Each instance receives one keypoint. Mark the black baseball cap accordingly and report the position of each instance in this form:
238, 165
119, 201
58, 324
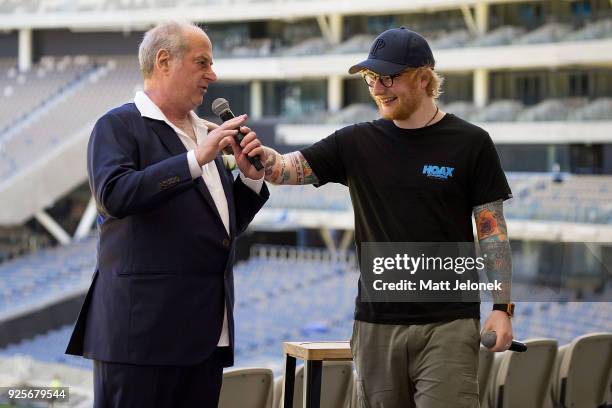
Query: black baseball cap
395, 50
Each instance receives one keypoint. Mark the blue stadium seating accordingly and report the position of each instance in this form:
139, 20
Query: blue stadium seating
537, 196
308, 298
49, 347
45, 276
578, 198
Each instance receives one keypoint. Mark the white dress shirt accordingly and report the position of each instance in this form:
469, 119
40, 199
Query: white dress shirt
208, 172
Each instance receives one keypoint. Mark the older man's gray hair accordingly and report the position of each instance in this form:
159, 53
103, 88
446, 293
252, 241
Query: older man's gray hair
169, 36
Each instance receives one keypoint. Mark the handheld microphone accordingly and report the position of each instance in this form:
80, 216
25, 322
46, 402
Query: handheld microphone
488, 339
220, 107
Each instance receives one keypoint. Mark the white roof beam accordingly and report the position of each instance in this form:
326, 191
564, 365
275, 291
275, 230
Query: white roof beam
270, 10
87, 220
52, 227
470, 22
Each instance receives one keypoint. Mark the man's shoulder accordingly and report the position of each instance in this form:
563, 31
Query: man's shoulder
125, 116
122, 120
467, 129
360, 128
126, 112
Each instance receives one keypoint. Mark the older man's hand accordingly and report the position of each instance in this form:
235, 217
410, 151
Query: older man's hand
212, 144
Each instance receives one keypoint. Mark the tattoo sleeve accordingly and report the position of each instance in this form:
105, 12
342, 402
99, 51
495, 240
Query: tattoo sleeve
495, 247
291, 168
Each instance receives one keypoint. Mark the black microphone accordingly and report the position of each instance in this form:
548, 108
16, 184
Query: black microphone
220, 107
488, 339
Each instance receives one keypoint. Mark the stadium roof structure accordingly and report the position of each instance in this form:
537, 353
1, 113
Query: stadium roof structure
90, 14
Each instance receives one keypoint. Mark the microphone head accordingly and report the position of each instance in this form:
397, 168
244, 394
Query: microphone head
219, 106
488, 339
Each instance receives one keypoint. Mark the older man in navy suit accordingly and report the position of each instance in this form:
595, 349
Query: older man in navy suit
158, 317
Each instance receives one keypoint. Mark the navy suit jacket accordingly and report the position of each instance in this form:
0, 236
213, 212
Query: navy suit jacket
164, 268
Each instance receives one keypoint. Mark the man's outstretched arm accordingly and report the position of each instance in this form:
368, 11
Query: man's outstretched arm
290, 168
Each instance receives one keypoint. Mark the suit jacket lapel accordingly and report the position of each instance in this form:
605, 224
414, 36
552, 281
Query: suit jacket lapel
227, 183
167, 135
173, 144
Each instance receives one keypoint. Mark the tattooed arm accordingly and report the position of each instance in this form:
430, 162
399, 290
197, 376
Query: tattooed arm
290, 168
494, 244
495, 247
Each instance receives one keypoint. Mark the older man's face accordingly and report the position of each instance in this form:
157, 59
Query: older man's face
191, 75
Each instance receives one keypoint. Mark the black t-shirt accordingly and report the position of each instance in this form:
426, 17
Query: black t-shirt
412, 185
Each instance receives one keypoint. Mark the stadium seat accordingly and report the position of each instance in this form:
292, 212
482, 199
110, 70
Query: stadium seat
583, 371
247, 388
592, 30
499, 36
547, 33
336, 386
521, 380
485, 362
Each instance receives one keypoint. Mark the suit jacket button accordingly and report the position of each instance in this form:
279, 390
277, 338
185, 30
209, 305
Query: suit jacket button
226, 242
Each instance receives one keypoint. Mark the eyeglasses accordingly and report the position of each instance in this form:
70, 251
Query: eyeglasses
370, 78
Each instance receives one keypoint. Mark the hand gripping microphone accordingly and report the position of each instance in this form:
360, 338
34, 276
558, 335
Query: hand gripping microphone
488, 339
220, 107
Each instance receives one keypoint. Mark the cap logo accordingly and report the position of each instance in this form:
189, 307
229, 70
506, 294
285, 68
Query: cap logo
378, 45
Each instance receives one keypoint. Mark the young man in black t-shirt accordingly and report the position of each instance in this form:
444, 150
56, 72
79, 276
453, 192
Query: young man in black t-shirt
416, 175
